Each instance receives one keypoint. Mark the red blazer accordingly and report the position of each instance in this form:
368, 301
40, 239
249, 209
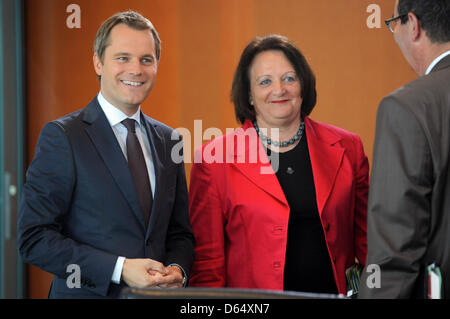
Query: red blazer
240, 216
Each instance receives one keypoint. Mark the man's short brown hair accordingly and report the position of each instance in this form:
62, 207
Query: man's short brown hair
130, 18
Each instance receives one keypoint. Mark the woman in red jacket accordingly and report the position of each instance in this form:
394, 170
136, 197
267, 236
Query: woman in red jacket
296, 222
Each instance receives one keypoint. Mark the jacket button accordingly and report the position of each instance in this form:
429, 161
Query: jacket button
334, 259
276, 264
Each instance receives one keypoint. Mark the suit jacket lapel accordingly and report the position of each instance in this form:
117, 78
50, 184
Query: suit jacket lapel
157, 149
105, 141
260, 172
326, 159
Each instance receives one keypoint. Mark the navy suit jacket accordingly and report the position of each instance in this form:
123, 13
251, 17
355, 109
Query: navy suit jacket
79, 204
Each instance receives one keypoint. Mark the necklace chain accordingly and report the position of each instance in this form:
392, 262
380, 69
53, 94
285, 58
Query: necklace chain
269, 141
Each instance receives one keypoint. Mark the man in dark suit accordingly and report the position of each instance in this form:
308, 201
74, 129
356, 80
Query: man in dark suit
409, 199
103, 195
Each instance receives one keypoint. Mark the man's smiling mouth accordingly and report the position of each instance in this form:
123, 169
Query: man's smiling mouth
132, 83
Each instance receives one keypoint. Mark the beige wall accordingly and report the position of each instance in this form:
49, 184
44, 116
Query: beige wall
202, 40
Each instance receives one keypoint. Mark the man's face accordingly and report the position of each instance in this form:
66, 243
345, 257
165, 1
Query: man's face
128, 71
402, 37
398, 26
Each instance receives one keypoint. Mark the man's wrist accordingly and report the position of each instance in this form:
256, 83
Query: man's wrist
184, 282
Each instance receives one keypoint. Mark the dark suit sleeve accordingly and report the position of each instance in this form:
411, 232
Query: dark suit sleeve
45, 204
180, 239
399, 201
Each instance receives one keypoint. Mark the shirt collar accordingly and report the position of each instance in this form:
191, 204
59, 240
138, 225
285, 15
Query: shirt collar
436, 61
113, 114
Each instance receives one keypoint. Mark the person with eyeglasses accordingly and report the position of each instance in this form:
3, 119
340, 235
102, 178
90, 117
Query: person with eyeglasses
409, 199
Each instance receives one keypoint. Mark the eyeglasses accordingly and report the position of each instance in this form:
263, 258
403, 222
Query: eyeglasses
393, 21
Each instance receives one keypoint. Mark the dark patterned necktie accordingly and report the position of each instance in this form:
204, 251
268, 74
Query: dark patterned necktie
136, 163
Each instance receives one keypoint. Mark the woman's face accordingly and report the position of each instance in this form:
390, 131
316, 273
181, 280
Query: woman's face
274, 89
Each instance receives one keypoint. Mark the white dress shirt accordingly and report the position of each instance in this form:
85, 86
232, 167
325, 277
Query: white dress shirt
115, 117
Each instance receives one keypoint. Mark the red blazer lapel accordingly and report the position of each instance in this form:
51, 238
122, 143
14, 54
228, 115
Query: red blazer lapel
251, 160
326, 158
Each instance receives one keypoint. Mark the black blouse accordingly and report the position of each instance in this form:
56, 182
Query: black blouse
308, 266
